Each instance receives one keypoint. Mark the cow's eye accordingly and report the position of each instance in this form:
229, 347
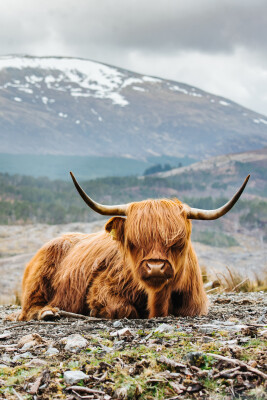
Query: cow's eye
131, 245
178, 246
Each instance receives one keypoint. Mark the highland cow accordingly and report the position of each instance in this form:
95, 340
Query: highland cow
142, 265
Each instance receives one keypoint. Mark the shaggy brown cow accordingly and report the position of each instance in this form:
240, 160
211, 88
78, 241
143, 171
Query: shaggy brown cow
141, 266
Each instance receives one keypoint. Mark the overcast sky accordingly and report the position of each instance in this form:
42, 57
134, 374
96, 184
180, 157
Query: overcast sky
217, 45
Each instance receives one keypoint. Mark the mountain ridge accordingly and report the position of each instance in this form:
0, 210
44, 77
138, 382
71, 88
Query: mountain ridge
64, 105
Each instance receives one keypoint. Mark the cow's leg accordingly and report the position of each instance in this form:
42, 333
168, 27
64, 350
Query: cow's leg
116, 308
184, 304
158, 303
105, 304
34, 301
37, 289
189, 297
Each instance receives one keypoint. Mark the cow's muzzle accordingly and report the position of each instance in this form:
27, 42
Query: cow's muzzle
156, 272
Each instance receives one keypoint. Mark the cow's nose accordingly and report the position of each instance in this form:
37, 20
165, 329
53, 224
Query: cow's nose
155, 269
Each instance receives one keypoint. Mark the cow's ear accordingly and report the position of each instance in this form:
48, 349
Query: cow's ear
115, 227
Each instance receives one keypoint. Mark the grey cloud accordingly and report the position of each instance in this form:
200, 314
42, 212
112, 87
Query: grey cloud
165, 25
156, 26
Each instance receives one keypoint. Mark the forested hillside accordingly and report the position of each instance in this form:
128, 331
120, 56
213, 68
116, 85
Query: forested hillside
30, 200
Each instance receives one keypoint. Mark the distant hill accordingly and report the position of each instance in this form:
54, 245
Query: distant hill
226, 169
86, 167
68, 106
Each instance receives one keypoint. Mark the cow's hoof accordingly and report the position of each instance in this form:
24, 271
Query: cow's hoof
49, 315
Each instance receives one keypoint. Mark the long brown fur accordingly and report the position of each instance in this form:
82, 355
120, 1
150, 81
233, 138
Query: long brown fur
101, 274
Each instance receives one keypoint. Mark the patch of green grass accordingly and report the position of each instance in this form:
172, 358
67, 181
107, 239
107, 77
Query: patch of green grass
213, 238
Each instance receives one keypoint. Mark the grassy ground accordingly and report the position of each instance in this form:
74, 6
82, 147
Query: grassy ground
166, 358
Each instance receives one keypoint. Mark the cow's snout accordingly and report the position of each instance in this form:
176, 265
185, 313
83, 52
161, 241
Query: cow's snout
156, 272
156, 269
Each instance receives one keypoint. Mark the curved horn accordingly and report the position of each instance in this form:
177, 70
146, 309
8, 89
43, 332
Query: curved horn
196, 213
99, 208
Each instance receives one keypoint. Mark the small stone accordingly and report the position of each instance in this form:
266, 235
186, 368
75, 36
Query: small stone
5, 358
118, 344
207, 328
164, 328
23, 355
75, 343
107, 349
28, 346
125, 332
35, 362
207, 339
117, 324
51, 351
72, 377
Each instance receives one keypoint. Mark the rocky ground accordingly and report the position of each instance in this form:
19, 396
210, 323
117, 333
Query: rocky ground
218, 356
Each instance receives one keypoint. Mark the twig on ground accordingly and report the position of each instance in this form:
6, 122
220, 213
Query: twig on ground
226, 372
179, 389
238, 362
17, 395
85, 389
170, 363
68, 314
86, 318
78, 396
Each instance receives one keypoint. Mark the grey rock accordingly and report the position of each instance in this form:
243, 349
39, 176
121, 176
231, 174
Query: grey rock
27, 346
125, 332
221, 326
117, 324
51, 351
6, 358
72, 377
75, 343
36, 362
164, 328
23, 355
118, 344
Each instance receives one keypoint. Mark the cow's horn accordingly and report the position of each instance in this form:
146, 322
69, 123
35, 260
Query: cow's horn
196, 213
99, 208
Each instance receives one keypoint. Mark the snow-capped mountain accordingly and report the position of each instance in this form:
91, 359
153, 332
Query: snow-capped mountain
73, 106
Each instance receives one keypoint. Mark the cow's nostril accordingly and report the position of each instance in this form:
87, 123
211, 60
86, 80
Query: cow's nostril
148, 267
155, 269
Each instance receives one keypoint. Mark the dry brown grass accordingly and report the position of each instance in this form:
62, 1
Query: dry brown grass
233, 281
